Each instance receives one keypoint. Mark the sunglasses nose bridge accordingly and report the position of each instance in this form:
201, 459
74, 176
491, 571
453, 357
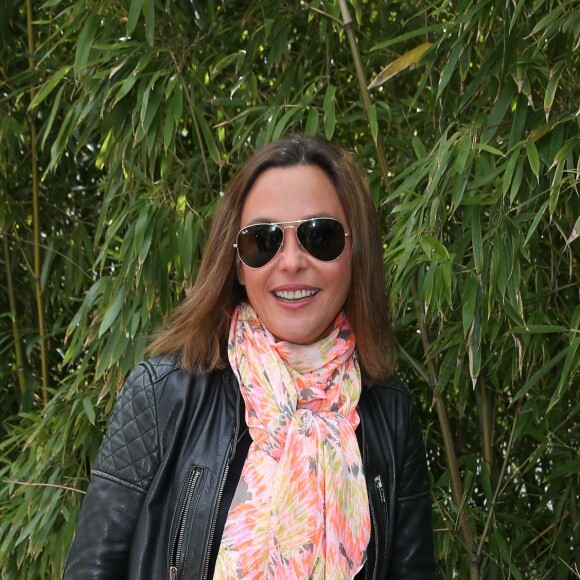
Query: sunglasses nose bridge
295, 228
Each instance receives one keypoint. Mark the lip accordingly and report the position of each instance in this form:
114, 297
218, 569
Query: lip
293, 305
293, 288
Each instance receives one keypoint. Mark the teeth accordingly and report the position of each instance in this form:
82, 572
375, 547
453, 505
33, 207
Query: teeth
295, 294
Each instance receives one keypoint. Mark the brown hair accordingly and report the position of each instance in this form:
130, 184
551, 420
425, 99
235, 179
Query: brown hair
198, 328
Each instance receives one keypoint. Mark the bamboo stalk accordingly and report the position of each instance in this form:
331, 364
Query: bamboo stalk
36, 218
574, 521
348, 26
486, 427
15, 327
457, 492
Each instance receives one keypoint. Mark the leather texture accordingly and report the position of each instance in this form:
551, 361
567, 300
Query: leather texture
150, 509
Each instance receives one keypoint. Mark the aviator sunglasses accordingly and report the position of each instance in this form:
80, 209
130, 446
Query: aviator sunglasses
322, 237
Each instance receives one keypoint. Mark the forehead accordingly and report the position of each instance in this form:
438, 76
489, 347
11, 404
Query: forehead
282, 194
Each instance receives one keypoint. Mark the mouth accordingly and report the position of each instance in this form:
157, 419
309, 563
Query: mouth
295, 295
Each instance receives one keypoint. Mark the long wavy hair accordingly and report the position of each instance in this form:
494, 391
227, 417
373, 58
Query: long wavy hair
198, 328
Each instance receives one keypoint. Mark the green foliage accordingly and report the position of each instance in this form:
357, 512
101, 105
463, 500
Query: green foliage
143, 110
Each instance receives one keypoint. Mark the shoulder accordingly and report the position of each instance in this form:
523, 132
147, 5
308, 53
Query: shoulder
388, 406
159, 367
392, 388
143, 380
168, 381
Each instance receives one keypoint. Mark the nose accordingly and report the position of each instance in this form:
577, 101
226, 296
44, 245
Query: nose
291, 256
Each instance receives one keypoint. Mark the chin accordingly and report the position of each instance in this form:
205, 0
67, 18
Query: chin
301, 337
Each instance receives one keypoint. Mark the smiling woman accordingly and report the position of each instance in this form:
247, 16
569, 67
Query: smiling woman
269, 437
295, 295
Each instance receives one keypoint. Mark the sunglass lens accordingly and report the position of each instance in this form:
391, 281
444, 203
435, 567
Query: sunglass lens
259, 243
322, 237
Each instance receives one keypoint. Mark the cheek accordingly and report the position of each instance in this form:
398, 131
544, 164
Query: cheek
254, 281
240, 272
344, 274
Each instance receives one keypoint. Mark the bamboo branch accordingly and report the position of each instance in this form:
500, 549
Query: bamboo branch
36, 218
499, 483
15, 327
348, 26
29, 484
457, 492
193, 118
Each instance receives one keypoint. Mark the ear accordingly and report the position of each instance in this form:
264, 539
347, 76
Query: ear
240, 272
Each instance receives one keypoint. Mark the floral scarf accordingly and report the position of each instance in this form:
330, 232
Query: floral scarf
300, 509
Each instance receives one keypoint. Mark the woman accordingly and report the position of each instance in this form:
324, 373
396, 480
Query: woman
261, 442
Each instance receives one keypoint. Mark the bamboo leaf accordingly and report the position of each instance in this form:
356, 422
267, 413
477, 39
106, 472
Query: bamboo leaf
547, 20
575, 232
468, 303
409, 59
168, 123
312, 121
178, 108
49, 86
569, 468
565, 150
509, 171
112, 312
555, 186
538, 375
141, 227
533, 157
186, 242
134, 13
149, 11
474, 349
552, 88
517, 180
541, 329
536, 221
85, 41
55, 109
407, 36
477, 240
90, 412
374, 122
449, 67
489, 149
152, 107
463, 151
208, 137
419, 148
432, 245
57, 148
328, 107
498, 112
126, 86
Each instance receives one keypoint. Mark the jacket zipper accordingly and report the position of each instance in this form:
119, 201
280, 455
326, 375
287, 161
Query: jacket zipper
374, 520
177, 543
231, 453
379, 486
382, 495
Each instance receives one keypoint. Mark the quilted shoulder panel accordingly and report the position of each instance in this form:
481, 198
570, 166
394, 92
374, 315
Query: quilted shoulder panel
130, 450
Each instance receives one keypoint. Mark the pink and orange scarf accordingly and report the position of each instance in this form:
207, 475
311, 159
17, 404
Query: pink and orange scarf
301, 508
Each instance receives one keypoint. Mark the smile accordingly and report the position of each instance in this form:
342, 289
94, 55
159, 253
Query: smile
295, 294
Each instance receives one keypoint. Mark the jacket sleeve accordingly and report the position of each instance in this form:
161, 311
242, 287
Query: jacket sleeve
412, 550
123, 470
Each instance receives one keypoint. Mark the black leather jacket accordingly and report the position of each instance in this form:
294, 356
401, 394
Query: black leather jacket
151, 508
